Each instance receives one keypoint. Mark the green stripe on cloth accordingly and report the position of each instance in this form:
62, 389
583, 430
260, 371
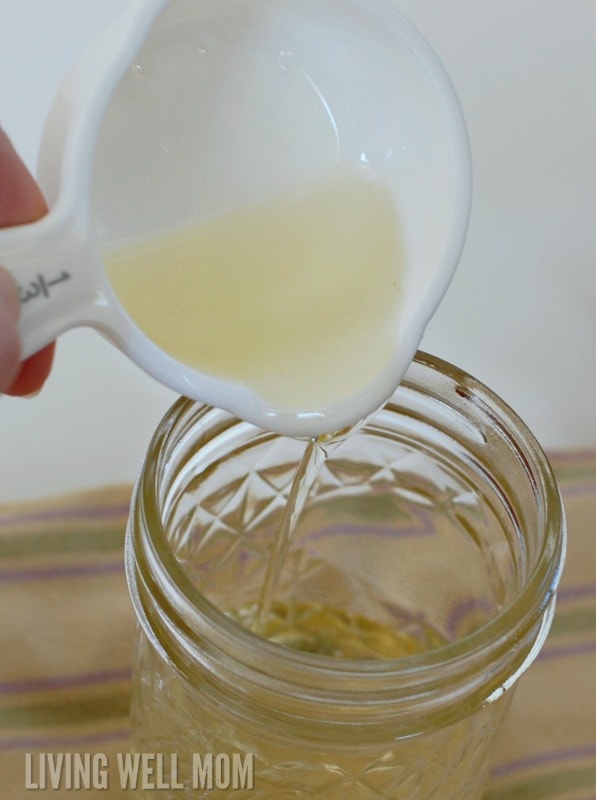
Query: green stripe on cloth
78, 711
106, 539
573, 622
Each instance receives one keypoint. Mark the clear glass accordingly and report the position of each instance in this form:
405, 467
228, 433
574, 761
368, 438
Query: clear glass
439, 518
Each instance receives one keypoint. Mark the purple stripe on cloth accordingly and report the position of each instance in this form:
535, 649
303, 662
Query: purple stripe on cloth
541, 759
577, 489
26, 743
572, 455
68, 512
580, 592
63, 681
72, 571
566, 650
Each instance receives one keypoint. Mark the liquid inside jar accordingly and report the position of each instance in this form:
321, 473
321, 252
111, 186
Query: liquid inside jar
325, 631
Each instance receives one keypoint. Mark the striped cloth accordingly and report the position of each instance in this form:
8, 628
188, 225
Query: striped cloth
548, 749
66, 627
66, 631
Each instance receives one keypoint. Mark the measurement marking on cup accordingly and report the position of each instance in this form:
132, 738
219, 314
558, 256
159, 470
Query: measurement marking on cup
40, 287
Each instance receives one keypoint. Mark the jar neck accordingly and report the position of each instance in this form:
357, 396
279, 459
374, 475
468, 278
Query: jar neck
413, 693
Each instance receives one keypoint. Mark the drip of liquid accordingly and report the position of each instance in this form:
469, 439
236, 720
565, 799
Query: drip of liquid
297, 298
316, 451
306, 474
311, 627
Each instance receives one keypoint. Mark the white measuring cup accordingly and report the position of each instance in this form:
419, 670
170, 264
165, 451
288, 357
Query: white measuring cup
141, 137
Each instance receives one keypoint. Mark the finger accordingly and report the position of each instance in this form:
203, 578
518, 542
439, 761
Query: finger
10, 346
21, 201
9, 295
32, 373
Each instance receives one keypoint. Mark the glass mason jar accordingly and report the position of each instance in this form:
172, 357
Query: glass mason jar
440, 518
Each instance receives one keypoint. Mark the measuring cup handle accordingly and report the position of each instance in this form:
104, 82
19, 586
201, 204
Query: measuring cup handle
46, 260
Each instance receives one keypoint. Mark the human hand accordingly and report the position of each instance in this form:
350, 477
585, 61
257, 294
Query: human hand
21, 201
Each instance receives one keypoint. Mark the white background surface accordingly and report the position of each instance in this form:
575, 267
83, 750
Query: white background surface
521, 312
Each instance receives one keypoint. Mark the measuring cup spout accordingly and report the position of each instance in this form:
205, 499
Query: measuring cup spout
45, 258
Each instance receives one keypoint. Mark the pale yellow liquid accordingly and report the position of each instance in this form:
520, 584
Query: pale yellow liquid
297, 298
325, 631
